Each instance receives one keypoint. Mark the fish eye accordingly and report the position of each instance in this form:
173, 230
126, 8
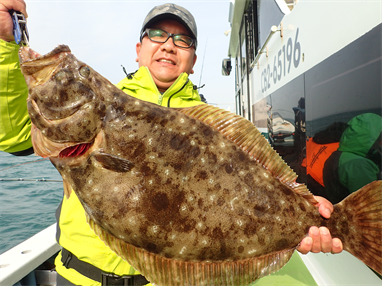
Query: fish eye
84, 71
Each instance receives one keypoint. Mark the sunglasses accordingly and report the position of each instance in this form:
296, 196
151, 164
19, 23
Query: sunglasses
160, 36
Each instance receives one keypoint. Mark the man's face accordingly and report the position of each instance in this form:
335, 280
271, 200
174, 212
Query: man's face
166, 61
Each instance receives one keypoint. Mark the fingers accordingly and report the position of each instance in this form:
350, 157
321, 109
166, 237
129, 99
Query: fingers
320, 240
337, 246
314, 233
325, 240
325, 211
305, 245
325, 207
22, 7
17, 5
6, 24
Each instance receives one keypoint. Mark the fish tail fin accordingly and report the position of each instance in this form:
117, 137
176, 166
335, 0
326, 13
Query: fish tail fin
358, 223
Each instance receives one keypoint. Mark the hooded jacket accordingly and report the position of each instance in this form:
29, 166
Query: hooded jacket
182, 93
353, 165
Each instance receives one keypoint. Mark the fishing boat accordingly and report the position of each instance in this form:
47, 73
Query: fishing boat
299, 67
327, 53
31, 262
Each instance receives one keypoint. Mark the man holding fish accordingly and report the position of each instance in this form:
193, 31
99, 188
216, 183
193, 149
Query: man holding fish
166, 55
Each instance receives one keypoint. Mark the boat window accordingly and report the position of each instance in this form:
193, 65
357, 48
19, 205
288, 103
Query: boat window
238, 87
269, 15
249, 40
243, 55
237, 75
238, 63
251, 30
239, 104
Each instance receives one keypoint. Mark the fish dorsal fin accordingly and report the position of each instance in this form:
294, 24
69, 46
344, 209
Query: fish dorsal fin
164, 271
249, 139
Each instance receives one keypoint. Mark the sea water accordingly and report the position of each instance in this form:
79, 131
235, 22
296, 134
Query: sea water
27, 204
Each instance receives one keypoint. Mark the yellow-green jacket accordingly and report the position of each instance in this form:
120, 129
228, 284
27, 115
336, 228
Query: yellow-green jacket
74, 233
15, 123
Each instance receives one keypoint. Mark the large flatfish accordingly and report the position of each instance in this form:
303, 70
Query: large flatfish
192, 196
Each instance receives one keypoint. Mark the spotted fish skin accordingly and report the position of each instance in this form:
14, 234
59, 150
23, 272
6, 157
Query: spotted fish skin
195, 191
192, 193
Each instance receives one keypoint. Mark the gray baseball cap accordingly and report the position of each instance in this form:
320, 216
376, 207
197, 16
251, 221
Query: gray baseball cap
171, 11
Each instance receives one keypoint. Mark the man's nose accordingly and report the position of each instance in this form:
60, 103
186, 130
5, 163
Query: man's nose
169, 45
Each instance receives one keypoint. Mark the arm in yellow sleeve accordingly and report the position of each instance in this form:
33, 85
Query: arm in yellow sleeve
15, 124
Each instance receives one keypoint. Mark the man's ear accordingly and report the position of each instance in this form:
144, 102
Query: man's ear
192, 70
138, 49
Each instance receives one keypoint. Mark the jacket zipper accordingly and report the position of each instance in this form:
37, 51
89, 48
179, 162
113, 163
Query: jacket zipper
168, 102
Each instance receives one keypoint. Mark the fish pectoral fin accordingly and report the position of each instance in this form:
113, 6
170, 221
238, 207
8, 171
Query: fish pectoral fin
113, 163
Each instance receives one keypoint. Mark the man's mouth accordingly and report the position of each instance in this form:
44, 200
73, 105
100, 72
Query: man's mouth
166, 61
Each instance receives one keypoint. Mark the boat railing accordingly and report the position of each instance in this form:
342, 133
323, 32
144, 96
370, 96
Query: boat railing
25, 257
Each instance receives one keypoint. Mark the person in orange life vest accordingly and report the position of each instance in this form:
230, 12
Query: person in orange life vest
357, 161
318, 149
316, 155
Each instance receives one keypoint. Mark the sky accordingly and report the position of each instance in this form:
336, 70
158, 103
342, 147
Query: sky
103, 34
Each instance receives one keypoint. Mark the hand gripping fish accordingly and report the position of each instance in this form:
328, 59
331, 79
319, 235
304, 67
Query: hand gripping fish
192, 196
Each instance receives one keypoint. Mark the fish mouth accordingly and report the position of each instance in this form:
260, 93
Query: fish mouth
45, 147
37, 69
75, 150
72, 153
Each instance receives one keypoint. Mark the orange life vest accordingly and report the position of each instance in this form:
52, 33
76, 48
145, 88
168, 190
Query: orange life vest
316, 155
